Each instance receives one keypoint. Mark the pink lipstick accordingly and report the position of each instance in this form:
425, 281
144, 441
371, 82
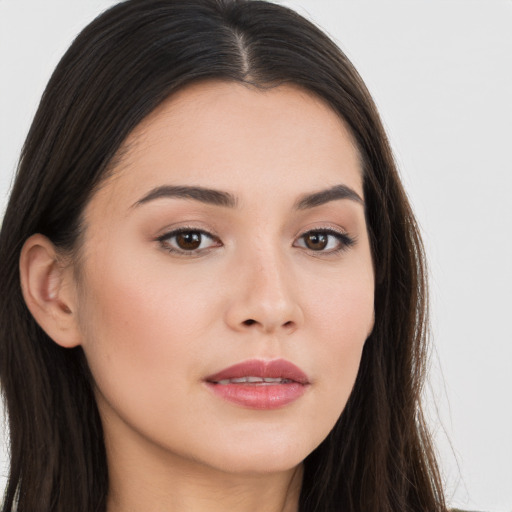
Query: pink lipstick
259, 384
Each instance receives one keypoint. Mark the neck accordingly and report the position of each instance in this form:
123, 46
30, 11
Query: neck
145, 479
199, 490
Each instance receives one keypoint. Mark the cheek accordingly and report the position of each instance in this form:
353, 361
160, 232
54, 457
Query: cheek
342, 321
342, 303
143, 322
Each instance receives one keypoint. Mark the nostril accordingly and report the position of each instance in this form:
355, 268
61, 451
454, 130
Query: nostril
289, 325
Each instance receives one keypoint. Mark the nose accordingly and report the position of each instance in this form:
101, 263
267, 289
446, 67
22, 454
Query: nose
264, 297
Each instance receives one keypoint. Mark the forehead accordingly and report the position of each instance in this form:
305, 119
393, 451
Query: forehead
233, 136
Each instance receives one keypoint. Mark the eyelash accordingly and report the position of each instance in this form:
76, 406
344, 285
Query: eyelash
344, 241
164, 241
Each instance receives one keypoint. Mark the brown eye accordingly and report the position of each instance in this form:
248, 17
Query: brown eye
316, 241
327, 241
189, 240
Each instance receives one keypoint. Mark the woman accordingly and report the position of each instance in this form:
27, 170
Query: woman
214, 288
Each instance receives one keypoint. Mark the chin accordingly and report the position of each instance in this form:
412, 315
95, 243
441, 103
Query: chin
258, 464
260, 454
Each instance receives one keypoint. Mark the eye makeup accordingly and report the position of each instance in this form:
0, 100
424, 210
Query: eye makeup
188, 241
192, 241
325, 240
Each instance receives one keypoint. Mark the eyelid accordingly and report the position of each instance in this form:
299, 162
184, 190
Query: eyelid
344, 239
187, 229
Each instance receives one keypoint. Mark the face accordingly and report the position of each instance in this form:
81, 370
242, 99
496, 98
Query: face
229, 246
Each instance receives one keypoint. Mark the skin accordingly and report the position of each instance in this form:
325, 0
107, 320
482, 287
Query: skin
154, 323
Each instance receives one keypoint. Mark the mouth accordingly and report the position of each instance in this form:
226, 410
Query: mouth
259, 384
257, 381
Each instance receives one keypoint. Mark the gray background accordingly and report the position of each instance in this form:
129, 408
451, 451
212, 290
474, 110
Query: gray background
441, 74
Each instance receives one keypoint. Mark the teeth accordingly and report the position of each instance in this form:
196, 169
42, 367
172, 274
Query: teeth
242, 380
254, 380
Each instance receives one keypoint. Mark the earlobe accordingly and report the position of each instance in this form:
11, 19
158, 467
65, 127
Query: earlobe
48, 290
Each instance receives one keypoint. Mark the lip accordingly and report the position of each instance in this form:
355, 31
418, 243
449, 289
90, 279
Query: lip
260, 395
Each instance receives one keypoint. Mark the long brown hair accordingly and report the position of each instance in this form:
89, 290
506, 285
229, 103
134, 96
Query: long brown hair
378, 457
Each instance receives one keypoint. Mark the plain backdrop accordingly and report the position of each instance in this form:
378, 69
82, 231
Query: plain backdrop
440, 72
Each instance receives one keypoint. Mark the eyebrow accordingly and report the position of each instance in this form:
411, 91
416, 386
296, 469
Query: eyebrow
204, 195
222, 198
325, 196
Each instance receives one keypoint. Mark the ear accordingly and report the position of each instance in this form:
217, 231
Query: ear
49, 290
